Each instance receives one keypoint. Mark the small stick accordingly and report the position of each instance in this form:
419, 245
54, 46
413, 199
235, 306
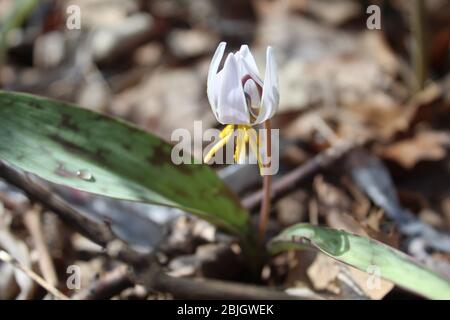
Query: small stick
32, 220
107, 286
324, 129
184, 288
7, 258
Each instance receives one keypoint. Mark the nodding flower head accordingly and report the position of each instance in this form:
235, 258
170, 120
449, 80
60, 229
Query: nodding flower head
237, 94
240, 99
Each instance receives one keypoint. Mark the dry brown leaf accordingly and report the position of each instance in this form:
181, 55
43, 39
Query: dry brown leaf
328, 274
344, 221
292, 208
330, 197
373, 288
19, 251
431, 217
374, 219
321, 65
323, 274
426, 145
334, 13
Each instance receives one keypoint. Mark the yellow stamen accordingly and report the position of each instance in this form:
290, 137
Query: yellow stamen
225, 136
246, 137
228, 128
237, 150
241, 151
254, 144
245, 134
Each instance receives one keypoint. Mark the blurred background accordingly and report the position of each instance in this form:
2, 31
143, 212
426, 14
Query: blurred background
342, 76
146, 61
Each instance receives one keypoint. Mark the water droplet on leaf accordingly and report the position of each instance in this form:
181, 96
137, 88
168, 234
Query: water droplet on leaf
85, 175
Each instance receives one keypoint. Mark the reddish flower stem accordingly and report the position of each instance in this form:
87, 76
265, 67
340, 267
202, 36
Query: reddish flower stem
267, 181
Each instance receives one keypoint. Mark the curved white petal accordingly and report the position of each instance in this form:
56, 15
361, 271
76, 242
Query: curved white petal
270, 96
248, 57
217, 85
249, 61
232, 107
212, 85
247, 64
251, 90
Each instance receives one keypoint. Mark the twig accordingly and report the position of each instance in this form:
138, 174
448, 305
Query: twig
7, 258
214, 289
107, 286
324, 129
184, 288
289, 180
96, 232
32, 220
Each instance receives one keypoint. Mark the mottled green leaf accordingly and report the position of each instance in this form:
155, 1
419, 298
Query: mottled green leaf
364, 253
95, 153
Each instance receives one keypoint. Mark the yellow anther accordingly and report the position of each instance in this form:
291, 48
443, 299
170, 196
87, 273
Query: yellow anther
254, 145
245, 134
246, 137
229, 128
219, 144
241, 151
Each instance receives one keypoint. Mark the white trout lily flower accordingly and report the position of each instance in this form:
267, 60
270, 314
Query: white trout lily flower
240, 98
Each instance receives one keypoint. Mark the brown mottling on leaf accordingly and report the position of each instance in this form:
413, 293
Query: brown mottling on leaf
159, 157
227, 194
66, 122
101, 155
6, 101
126, 146
98, 117
68, 144
98, 155
167, 148
35, 105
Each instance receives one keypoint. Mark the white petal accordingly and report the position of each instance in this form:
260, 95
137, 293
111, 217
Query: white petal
248, 57
241, 145
251, 89
270, 95
247, 64
212, 86
217, 86
232, 107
